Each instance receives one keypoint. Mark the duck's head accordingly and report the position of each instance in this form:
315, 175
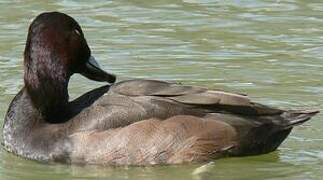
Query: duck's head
55, 50
55, 43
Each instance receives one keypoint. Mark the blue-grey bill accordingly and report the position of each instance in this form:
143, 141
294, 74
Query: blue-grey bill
94, 72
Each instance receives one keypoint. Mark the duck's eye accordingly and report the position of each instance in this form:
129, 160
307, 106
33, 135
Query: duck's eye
77, 32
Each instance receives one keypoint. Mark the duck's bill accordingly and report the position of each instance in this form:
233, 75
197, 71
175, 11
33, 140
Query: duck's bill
94, 72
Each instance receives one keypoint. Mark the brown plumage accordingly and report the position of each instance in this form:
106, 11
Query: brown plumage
135, 122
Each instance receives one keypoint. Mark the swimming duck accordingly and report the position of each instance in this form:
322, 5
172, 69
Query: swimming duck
133, 122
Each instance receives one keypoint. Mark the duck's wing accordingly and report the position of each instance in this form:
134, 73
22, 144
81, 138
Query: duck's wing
148, 122
131, 101
198, 97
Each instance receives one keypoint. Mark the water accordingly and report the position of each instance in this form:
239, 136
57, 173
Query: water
271, 50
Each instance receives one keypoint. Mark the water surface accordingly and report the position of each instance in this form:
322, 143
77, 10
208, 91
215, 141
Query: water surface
271, 50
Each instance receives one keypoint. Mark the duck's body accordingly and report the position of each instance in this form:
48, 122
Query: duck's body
143, 122
136, 122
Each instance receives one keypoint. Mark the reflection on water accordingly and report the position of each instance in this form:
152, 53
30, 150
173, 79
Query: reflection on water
271, 50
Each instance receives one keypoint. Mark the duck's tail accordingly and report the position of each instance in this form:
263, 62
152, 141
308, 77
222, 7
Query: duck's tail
272, 132
294, 118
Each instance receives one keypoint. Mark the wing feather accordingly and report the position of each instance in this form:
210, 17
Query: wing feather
193, 95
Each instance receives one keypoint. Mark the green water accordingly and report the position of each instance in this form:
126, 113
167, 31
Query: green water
271, 50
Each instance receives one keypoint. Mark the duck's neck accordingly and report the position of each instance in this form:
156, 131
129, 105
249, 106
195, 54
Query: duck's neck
48, 93
51, 100
52, 103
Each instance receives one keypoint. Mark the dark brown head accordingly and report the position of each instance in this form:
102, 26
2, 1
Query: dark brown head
55, 50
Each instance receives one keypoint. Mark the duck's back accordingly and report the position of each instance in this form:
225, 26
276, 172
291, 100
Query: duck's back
153, 122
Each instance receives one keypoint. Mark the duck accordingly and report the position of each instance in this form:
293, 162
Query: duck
136, 122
